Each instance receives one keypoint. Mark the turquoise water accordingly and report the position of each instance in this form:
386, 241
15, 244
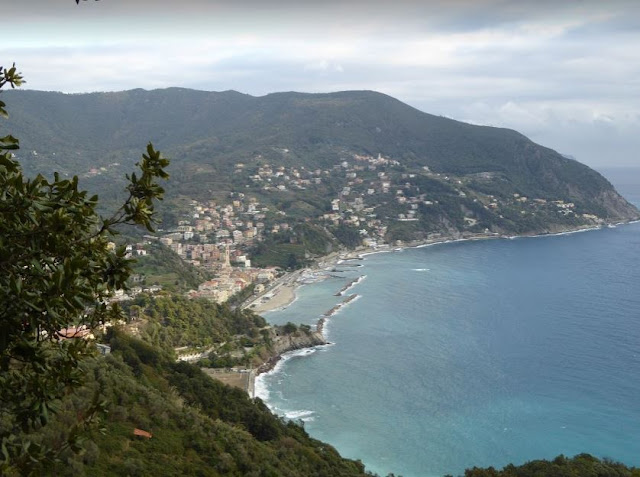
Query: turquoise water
475, 353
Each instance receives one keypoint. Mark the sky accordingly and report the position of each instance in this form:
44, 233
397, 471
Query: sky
566, 73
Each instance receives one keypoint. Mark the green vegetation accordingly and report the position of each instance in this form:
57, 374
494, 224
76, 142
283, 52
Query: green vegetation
212, 132
293, 248
579, 466
164, 267
240, 297
229, 336
290, 328
56, 270
173, 321
198, 425
347, 236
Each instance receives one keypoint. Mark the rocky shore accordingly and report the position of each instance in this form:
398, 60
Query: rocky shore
290, 342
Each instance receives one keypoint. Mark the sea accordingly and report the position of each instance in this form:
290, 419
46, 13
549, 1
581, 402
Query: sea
475, 353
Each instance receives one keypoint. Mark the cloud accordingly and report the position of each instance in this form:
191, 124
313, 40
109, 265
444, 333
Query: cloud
562, 72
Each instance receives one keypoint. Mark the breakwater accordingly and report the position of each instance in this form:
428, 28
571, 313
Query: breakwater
351, 284
343, 303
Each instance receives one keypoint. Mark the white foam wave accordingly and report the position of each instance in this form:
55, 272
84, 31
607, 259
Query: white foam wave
351, 285
578, 231
261, 390
362, 255
296, 354
260, 386
420, 269
302, 415
569, 232
442, 242
342, 305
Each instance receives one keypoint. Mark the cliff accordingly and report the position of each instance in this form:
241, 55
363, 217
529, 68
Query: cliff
285, 342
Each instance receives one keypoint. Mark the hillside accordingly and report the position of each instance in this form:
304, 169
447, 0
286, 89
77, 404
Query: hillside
561, 466
296, 153
198, 425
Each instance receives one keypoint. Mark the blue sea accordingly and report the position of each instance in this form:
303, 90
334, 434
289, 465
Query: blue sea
475, 353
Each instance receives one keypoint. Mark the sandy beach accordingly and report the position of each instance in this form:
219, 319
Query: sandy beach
280, 294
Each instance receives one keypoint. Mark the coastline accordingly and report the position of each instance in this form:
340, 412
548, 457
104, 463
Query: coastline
283, 290
279, 295
461, 276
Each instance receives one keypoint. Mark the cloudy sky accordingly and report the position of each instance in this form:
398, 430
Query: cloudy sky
566, 73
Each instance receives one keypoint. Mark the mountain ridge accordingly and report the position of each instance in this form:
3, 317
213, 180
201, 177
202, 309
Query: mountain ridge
208, 133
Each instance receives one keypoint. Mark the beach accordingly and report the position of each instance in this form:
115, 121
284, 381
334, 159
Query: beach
282, 291
280, 294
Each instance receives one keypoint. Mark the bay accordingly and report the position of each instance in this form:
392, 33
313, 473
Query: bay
474, 353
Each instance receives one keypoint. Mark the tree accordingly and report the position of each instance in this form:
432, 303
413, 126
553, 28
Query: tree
57, 270
292, 261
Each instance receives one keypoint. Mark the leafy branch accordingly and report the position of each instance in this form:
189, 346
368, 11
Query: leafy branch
57, 269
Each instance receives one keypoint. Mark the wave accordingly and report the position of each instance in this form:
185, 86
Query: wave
558, 234
578, 231
350, 285
333, 311
302, 415
347, 265
431, 244
260, 386
420, 269
362, 255
261, 390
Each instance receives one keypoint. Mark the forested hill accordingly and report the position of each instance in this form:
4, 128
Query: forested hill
208, 133
317, 129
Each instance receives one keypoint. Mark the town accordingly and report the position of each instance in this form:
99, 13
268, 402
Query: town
367, 194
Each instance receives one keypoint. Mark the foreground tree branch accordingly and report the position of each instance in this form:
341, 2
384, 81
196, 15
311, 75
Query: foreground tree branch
56, 270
